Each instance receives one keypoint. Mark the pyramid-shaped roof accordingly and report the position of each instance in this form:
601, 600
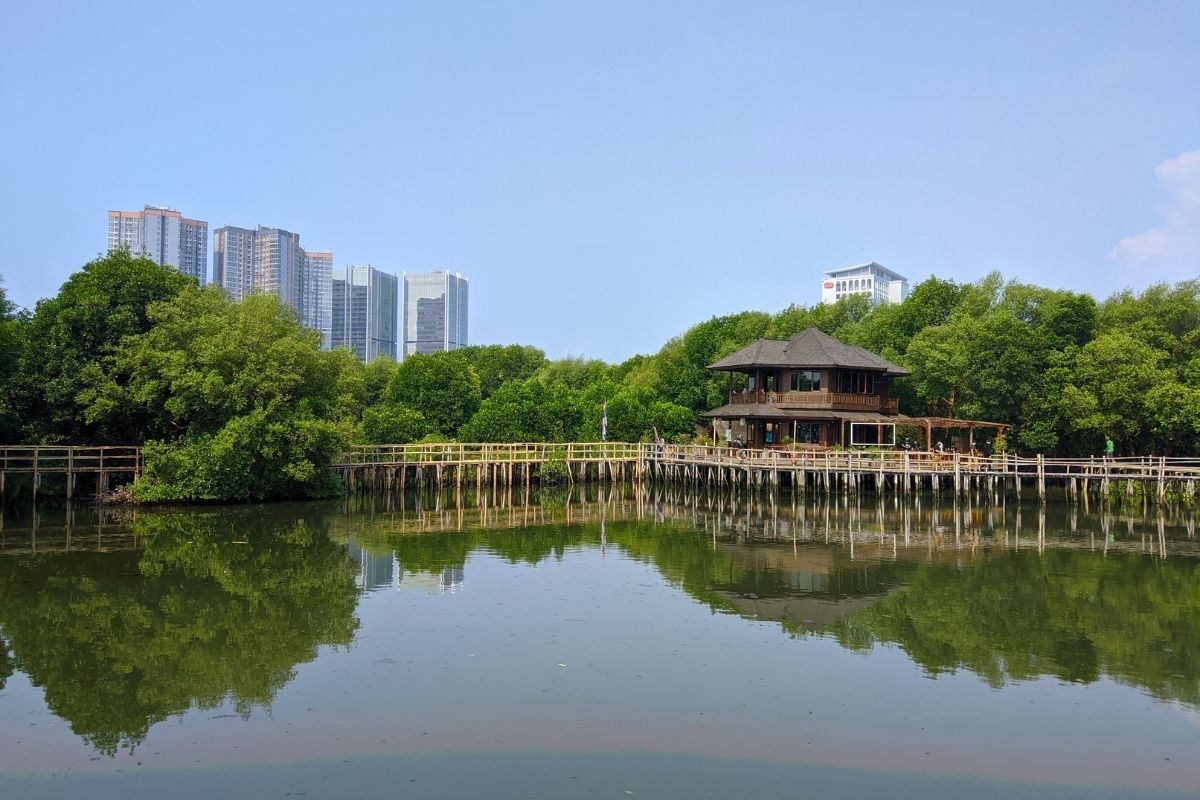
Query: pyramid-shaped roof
808, 349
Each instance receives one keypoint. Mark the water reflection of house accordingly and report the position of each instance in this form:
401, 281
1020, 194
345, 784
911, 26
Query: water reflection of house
808, 587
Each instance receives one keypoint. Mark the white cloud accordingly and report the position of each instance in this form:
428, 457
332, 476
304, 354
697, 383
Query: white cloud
1176, 242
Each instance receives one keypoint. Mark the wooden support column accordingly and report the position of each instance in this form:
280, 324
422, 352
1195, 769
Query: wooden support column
1041, 478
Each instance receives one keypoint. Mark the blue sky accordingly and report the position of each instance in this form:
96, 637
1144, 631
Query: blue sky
608, 174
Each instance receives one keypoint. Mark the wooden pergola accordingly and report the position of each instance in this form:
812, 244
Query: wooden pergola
949, 423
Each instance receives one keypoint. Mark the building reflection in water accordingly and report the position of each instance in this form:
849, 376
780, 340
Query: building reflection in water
383, 570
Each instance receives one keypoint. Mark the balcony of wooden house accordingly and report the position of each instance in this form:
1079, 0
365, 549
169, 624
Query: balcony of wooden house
821, 399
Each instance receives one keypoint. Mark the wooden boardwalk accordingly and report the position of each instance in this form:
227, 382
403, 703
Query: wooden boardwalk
400, 467
102, 463
882, 470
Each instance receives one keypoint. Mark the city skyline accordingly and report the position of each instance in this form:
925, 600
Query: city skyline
660, 162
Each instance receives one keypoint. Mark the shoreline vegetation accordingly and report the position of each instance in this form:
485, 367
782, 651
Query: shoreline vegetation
237, 402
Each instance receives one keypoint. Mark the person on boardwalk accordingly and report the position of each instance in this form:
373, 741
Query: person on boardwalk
1109, 448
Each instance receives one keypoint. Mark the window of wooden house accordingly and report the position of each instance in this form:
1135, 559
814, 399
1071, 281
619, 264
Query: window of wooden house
856, 382
806, 380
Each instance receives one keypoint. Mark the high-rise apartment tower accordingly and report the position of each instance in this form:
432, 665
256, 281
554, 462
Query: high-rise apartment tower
271, 261
164, 236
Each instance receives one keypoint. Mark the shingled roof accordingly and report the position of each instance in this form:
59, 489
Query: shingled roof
808, 349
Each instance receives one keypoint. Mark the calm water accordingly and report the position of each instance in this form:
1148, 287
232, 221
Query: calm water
578, 646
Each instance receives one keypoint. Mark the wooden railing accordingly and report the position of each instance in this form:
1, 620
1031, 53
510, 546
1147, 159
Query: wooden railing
796, 457
69, 459
485, 453
899, 461
834, 401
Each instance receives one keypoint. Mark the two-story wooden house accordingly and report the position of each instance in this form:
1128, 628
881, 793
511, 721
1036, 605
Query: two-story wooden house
809, 389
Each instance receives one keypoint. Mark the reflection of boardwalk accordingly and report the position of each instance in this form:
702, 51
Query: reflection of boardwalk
64, 528
878, 528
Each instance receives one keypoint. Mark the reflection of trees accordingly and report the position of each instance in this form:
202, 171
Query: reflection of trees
220, 605
1073, 614
6, 665
434, 552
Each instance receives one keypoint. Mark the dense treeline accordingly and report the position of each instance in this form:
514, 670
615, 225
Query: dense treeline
237, 401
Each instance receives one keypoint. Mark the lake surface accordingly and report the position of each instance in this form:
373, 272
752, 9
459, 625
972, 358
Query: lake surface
600, 644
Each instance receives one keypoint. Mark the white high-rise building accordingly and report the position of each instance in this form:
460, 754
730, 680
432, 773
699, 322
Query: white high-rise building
435, 312
271, 261
164, 236
364, 311
883, 285
233, 260
277, 261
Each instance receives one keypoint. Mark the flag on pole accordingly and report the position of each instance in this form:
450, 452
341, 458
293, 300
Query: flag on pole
604, 423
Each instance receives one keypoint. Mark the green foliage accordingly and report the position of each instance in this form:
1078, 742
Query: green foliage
252, 457
71, 340
527, 411
498, 364
13, 333
239, 401
552, 471
376, 377
573, 373
442, 387
679, 374
393, 423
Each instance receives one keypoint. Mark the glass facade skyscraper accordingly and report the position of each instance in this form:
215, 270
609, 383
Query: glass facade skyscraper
164, 236
316, 294
435, 312
364, 311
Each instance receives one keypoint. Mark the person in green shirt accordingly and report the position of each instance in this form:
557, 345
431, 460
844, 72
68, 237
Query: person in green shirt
1109, 448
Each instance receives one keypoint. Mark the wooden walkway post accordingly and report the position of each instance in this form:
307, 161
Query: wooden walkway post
1041, 478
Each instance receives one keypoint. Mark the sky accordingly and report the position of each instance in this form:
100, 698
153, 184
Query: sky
608, 174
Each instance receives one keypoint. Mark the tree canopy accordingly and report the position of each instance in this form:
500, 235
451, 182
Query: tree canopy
71, 340
238, 399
